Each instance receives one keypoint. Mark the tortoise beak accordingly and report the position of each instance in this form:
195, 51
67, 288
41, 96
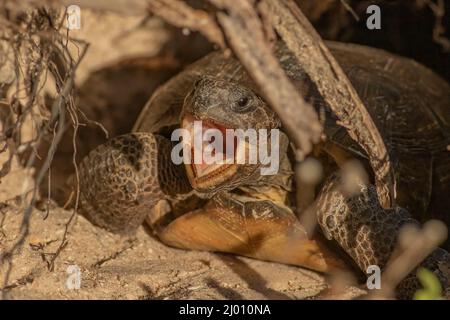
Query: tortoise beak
205, 172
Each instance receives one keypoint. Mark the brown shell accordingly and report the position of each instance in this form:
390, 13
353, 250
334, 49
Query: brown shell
409, 104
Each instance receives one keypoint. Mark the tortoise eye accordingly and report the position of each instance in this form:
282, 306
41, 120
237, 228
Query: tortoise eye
242, 102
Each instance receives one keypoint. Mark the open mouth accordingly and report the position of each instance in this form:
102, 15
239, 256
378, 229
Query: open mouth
208, 163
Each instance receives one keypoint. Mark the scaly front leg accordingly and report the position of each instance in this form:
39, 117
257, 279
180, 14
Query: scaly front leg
251, 227
122, 180
368, 233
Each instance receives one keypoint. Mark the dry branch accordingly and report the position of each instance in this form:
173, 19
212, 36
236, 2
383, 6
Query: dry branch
244, 32
181, 15
245, 35
41, 33
334, 86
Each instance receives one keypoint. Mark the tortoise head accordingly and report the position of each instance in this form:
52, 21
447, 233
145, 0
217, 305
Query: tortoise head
227, 116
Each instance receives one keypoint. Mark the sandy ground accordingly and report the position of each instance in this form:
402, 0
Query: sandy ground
140, 267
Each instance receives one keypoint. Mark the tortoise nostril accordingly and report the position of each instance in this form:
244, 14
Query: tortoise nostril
197, 82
